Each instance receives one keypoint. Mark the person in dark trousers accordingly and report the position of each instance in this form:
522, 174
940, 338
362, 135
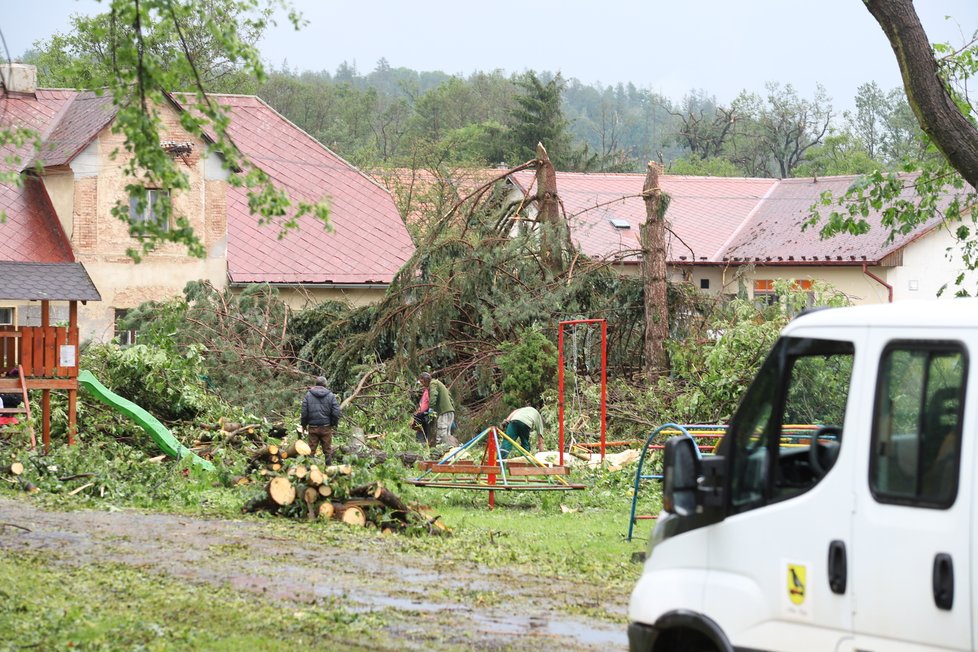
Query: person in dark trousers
519, 425
320, 414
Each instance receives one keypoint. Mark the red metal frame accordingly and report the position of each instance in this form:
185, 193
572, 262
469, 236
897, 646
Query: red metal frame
560, 380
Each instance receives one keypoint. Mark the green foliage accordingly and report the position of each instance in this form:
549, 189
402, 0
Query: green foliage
168, 385
236, 340
529, 368
539, 118
694, 166
711, 369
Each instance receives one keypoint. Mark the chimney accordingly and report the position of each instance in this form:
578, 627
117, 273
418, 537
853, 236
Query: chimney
18, 77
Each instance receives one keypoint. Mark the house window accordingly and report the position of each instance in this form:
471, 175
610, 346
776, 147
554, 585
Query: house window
6, 316
704, 284
766, 293
148, 213
125, 337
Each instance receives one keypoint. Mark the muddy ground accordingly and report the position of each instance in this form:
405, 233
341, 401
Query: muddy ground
426, 603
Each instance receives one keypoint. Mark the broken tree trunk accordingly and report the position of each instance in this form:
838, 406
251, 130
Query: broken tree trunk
384, 496
652, 235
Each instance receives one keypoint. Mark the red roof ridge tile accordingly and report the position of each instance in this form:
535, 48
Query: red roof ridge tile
718, 254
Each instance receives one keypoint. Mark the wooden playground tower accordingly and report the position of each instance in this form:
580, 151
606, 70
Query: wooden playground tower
45, 356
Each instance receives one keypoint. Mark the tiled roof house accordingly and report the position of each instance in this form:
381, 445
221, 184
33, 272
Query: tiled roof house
62, 213
734, 234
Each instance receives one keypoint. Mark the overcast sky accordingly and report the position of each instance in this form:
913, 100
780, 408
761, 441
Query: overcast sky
721, 46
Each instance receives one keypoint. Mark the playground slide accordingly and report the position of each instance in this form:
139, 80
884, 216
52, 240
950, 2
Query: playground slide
163, 438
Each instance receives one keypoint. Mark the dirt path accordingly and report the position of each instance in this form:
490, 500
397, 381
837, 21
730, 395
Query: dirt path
369, 574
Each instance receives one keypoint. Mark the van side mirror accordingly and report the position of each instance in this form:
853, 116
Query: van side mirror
680, 476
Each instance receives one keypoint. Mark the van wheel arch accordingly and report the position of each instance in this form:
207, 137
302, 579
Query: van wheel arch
688, 630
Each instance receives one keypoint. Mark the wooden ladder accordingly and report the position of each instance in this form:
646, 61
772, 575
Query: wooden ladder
9, 385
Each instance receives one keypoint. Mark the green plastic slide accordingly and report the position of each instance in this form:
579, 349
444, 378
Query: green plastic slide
160, 434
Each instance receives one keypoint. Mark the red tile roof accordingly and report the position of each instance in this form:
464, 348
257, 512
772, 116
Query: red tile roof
77, 125
703, 213
773, 234
716, 220
369, 241
31, 232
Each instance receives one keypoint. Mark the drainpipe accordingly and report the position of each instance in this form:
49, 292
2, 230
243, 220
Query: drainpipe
889, 288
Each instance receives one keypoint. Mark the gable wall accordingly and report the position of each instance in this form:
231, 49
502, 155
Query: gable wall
927, 266
100, 240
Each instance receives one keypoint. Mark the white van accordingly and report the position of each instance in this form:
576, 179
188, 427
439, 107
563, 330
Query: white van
862, 537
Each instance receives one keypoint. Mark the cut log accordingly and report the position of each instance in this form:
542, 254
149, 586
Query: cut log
326, 510
275, 467
265, 453
298, 447
239, 480
310, 495
380, 493
280, 491
339, 469
16, 468
325, 490
300, 471
352, 515
315, 477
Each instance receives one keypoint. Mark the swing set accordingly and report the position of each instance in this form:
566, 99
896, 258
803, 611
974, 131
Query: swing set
520, 470
494, 472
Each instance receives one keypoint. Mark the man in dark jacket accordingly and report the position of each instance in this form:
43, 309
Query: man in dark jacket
320, 414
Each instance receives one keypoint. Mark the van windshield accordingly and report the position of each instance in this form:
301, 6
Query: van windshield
786, 434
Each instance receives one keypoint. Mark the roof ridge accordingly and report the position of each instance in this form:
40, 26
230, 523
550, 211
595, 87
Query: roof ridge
717, 255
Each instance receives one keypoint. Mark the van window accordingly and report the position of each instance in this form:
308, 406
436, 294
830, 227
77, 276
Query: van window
786, 434
917, 424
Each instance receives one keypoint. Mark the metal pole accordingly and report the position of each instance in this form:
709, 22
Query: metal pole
604, 383
491, 455
560, 393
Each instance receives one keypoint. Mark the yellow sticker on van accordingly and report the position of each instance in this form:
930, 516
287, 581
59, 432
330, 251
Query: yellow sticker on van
796, 583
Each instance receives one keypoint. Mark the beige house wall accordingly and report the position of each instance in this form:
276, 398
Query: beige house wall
61, 190
100, 240
299, 298
928, 264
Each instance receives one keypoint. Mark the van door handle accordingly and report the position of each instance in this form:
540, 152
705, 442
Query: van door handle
943, 581
837, 567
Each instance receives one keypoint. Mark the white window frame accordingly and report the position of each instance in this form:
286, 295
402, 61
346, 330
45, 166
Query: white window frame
148, 214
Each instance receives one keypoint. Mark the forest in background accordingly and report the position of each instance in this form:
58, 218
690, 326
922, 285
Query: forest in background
398, 117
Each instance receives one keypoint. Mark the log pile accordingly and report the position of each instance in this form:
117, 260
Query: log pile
294, 489
232, 434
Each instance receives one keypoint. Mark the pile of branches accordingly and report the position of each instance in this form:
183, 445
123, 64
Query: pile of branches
294, 489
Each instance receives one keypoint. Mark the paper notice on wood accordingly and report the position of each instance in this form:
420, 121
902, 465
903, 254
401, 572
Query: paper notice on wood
68, 357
